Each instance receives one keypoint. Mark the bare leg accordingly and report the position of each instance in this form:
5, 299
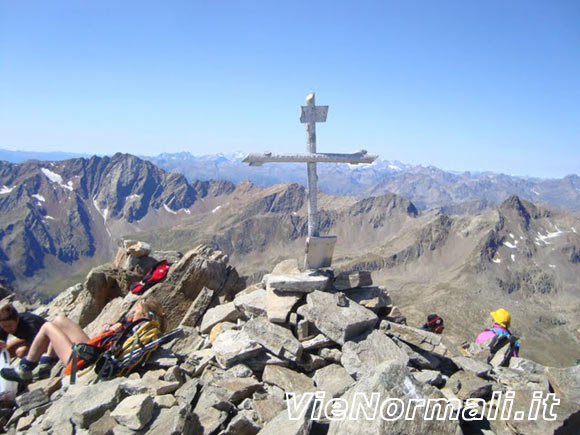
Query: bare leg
60, 335
72, 330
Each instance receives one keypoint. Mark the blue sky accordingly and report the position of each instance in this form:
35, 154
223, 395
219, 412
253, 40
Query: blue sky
466, 85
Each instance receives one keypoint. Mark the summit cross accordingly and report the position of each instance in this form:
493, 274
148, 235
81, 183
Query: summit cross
318, 249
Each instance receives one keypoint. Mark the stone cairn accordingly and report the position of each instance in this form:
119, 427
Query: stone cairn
244, 347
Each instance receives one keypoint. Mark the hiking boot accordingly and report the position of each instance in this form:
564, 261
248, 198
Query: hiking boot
42, 371
17, 374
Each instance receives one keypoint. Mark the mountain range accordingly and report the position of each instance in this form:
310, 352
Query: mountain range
426, 186
461, 261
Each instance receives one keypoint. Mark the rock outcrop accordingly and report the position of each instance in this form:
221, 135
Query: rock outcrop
237, 370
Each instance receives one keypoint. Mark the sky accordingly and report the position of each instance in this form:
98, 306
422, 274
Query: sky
461, 85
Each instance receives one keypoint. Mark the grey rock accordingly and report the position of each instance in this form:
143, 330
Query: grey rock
31, 400
267, 408
198, 308
173, 421
301, 283
565, 382
134, 412
373, 298
351, 280
252, 304
241, 425
189, 342
104, 425
221, 313
317, 342
478, 368
232, 347
332, 379
211, 420
338, 323
425, 340
282, 425
165, 401
187, 392
393, 380
363, 354
274, 338
470, 386
332, 355
279, 305
287, 379
431, 377
526, 365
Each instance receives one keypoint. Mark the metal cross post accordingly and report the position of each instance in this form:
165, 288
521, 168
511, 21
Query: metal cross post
318, 249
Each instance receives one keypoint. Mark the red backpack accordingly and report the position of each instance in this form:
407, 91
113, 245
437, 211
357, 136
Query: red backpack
157, 273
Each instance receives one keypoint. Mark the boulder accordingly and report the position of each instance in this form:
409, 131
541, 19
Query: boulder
197, 308
220, 313
232, 347
478, 368
373, 298
174, 421
366, 352
431, 377
526, 365
211, 419
340, 324
201, 267
282, 425
103, 284
565, 382
136, 248
466, 385
391, 380
134, 412
274, 338
333, 380
352, 280
287, 379
241, 425
252, 304
423, 339
297, 283
279, 305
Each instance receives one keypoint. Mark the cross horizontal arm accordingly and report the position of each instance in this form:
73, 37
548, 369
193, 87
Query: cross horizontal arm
354, 158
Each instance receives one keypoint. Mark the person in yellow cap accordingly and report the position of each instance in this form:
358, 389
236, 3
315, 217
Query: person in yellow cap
501, 323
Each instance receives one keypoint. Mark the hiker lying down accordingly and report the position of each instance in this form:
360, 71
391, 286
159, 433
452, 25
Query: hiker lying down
55, 340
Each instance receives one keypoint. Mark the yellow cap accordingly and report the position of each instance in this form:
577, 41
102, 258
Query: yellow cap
501, 317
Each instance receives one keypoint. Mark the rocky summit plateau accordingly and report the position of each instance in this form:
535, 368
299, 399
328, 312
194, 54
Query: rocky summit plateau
243, 348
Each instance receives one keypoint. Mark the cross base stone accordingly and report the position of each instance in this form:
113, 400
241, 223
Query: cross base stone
319, 252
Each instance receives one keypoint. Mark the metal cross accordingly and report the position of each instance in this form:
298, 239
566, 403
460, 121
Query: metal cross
310, 115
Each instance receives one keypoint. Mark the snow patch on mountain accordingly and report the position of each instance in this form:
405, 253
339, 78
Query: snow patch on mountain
509, 245
5, 190
56, 178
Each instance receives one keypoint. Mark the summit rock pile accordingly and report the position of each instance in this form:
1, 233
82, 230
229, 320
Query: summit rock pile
244, 347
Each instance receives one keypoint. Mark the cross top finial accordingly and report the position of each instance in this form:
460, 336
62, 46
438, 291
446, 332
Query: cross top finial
310, 98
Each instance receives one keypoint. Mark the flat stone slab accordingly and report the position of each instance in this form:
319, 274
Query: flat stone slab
232, 347
287, 379
333, 379
274, 338
252, 304
373, 298
352, 280
221, 313
478, 368
364, 354
423, 339
280, 304
302, 283
469, 386
339, 323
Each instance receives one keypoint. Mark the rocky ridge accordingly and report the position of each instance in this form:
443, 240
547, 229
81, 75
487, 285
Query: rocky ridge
242, 348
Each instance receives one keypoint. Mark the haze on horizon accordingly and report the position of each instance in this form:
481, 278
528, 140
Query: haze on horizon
480, 87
